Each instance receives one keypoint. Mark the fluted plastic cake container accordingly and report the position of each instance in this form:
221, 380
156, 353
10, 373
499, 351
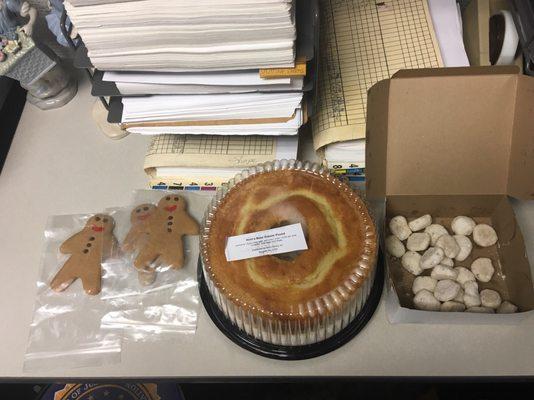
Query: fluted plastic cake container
318, 318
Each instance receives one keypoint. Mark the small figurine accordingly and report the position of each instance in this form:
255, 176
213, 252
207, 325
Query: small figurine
34, 65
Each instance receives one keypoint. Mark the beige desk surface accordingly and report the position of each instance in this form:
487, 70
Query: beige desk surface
60, 164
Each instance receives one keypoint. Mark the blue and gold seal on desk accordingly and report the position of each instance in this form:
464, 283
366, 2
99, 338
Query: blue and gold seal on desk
113, 391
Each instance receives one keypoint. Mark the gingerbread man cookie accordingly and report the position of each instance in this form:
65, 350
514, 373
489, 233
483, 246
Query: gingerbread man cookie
87, 249
166, 227
139, 219
137, 236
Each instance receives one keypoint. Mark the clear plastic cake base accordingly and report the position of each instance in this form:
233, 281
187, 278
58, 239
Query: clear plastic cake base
298, 332
294, 352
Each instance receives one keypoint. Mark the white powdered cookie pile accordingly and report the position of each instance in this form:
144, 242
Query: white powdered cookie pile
422, 245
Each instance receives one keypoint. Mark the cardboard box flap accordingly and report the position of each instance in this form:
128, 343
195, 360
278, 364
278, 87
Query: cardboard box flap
456, 71
376, 139
521, 170
451, 131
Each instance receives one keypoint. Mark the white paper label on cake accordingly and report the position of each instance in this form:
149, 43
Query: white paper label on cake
272, 241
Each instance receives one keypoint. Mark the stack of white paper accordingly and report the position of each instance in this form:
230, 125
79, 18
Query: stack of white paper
186, 35
349, 152
136, 83
237, 114
189, 71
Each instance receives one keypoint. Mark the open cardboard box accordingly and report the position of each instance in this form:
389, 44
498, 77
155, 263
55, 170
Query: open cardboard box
448, 142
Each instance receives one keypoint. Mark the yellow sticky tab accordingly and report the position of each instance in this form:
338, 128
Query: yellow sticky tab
274, 73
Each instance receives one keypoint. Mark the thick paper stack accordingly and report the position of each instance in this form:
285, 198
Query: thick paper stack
186, 35
230, 114
248, 81
217, 82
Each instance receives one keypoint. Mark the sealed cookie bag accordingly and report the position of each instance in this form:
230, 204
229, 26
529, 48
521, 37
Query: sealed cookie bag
152, 282
69, 306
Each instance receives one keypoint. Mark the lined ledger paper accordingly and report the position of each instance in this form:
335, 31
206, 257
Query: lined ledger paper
365, 41
222, 151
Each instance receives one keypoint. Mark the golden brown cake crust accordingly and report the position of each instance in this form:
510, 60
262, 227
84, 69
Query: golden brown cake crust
340, 234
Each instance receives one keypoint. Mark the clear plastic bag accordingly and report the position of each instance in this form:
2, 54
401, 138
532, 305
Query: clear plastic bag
169, 304
66, 331
124, 279
152, 315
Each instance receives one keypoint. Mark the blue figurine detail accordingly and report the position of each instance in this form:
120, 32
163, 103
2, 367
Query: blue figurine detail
53, 20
